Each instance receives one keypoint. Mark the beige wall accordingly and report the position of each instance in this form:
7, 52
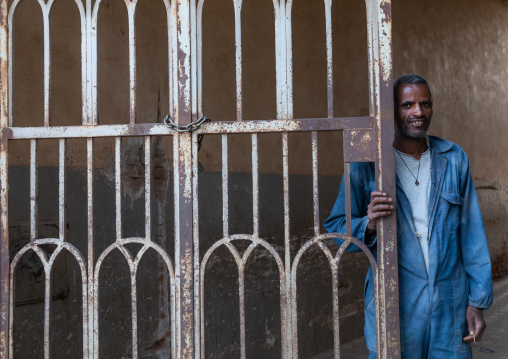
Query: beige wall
460, 47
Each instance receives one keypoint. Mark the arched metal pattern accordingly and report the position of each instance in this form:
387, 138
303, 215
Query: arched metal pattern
48, 266
334, 267
241, 262
365, 139
46, 11
133, 264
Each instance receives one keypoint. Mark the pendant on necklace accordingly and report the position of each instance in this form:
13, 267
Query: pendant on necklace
417, 183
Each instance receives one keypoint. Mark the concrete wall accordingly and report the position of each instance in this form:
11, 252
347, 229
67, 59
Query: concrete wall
458, 45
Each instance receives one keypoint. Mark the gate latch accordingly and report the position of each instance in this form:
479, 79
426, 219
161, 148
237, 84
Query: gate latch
189, 128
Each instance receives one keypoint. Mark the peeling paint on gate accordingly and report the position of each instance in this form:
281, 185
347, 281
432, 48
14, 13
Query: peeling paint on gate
365, 139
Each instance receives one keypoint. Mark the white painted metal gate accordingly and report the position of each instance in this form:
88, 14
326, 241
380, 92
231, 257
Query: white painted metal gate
367, 139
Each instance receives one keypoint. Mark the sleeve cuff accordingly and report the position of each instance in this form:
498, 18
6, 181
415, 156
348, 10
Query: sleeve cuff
369, 240
478, 305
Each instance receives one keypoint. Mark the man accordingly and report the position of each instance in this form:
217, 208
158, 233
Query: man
445, 278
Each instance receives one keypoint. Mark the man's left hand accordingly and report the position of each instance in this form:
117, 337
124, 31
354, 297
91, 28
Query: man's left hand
475, 324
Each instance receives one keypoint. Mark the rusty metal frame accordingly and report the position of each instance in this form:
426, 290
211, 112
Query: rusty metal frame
366, 139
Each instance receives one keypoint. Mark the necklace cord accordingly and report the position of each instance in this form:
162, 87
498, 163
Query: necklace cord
417, 174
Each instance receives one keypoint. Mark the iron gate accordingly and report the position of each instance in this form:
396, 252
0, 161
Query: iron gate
365, 139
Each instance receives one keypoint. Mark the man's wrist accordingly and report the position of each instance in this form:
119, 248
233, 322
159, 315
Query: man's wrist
371, 228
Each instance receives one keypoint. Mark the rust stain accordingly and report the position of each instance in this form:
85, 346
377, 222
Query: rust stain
386, 8
3, 344
5, 134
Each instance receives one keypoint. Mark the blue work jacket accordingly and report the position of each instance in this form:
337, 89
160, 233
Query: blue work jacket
432, 305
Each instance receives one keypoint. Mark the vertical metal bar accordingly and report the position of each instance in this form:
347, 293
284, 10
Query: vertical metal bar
173, 89
33, 190
174, 98
336, 313
47, 305
255, 185
84, 64
5, 73
195, 222
184, 254
134, 311
193, 60
284, 69
148, 189
166, 301
10, 333
370, 49
241, 302
170, 57
131, 6
47, 64
199, 26
373, 110
238, 56
196, 109
118, 186
84, 298
288, 55
202, 311
61, 190
96, 310
182, 157
347, 185
92, 69
5, 293
283, 60
225, 191
373, 104
255, 226
329, 56
90, 224
6, 26
279, 68
194, 163
290, 345
387, 300
315, 182
88, 101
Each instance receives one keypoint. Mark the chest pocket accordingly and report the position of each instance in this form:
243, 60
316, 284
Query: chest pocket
452, 202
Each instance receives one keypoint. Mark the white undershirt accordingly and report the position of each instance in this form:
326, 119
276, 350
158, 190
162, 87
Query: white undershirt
418, 196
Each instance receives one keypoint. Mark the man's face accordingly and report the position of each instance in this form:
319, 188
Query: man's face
413, 110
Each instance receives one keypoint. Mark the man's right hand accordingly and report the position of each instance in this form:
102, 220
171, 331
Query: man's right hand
379, 206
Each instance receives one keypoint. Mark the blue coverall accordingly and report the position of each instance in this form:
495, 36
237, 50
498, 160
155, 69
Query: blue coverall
432, 305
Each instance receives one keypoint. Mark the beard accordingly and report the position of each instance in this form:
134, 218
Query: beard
407, 132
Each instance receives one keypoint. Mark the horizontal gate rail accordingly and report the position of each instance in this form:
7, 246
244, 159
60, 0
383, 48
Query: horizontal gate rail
217, 127
297, 125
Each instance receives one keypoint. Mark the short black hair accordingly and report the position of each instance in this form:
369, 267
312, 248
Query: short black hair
408, 79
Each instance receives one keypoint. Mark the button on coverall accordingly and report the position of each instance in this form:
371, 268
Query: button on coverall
432, 305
